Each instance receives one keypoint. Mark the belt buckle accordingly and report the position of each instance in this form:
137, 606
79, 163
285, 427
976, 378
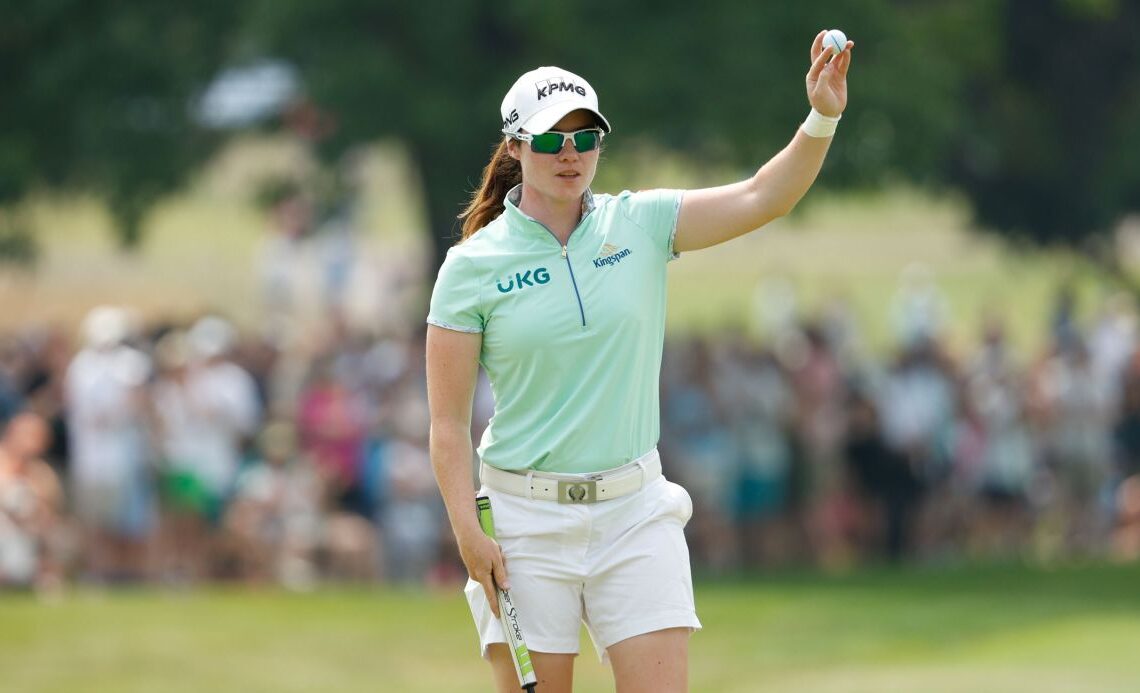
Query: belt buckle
577, 492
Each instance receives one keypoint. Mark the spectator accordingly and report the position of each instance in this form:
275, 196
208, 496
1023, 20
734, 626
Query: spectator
1126, 534
11, 365
1078, 445
273, 523
1111, 342
884, 480
412, 516
225, 399
820, 390
110, 463
33, 537
283, 263
43, 391
1064, 331
919, 406
988, 461
761, 420
206, 407
1126, 429
187, 502
918, 308
1007, 465
698, 451
333, 426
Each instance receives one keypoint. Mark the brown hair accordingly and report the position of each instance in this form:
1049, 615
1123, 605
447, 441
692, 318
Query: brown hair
501, 174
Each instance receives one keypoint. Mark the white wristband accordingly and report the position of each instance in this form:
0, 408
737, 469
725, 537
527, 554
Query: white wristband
819, 125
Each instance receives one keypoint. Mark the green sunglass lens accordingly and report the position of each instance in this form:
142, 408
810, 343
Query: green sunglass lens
547, 142
586, 141
551, 142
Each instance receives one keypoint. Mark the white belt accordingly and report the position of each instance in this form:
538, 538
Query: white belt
575, 488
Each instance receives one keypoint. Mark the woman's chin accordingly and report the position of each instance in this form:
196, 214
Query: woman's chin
570, 187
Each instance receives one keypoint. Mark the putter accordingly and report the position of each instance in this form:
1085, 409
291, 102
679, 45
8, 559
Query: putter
508, 613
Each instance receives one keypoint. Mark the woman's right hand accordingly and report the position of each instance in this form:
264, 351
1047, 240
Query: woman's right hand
485, 563
827, 77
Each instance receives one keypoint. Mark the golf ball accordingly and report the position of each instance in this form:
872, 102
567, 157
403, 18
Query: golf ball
835, 41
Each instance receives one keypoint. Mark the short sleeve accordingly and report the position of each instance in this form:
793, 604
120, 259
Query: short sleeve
455, 300
656, 211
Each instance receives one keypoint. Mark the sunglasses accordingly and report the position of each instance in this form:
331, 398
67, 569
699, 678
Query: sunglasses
552, 142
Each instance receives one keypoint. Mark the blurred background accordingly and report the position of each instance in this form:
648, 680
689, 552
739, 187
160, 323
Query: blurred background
220, 224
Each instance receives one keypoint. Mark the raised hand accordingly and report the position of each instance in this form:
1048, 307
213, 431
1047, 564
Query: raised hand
827, 78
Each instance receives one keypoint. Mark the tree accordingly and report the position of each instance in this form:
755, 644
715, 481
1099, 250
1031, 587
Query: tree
705, 78
418, 71
1047, 153
1025, 105
97, 98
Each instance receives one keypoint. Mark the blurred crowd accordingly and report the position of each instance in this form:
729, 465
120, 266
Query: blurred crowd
804, 450
184, 452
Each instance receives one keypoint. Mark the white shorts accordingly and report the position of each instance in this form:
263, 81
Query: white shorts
620, 566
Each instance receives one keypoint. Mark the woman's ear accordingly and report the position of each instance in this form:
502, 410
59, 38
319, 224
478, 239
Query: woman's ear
513, 148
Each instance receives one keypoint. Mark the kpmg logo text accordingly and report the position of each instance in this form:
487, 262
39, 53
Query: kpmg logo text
549, 86
524, 279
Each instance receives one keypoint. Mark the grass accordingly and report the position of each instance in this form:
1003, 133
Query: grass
984, 629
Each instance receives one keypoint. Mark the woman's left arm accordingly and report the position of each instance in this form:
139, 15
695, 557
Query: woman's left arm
714, 215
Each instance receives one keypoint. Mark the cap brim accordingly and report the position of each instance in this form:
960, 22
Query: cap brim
546, 118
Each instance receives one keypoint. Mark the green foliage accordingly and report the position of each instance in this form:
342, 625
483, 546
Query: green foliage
1044, 154
713, 79
431, 73
96, 98
17, 247
1028, 106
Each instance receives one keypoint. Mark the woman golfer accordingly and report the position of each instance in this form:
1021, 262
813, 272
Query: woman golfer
560, 294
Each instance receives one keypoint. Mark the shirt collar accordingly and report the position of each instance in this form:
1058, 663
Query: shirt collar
514, 196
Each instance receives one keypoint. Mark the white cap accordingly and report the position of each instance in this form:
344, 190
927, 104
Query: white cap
210, 337
106, 327
543, 96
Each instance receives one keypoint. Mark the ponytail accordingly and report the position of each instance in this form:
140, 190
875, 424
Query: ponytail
501, 174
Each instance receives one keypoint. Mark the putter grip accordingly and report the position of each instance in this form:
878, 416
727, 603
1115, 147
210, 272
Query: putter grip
486, 519
508, 613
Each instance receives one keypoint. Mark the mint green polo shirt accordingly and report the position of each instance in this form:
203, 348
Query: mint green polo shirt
572, 336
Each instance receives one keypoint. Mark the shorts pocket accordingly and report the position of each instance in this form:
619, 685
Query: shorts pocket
680, 502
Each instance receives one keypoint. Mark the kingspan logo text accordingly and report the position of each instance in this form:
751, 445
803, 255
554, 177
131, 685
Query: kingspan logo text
612, 259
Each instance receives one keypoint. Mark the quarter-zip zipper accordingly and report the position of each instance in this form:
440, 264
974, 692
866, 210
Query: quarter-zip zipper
574, 282
566, 256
